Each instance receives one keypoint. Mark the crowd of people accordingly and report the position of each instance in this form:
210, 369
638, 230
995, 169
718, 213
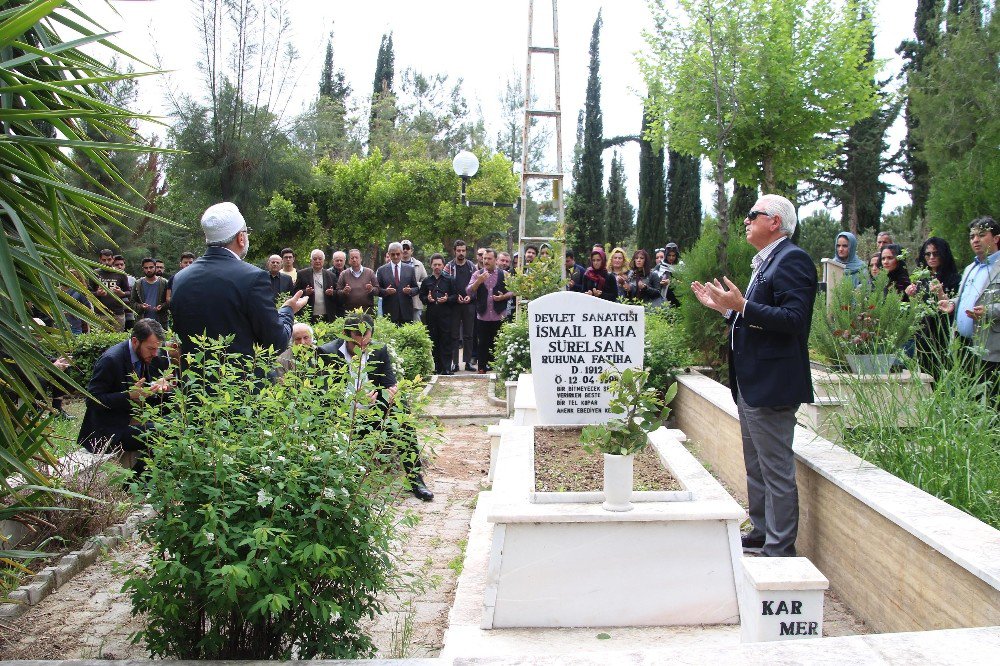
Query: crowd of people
967, 301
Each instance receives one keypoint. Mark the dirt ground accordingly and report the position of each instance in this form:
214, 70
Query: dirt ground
561, 465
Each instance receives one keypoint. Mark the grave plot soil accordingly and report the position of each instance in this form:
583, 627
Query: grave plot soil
561, 465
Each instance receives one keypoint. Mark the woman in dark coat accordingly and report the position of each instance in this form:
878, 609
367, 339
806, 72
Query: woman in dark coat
596, 279
895, 266
931, 338
638, 284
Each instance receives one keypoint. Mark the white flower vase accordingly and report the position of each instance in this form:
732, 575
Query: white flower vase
618, 482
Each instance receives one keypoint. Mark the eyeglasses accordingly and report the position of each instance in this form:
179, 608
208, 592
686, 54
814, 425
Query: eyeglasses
752, 215
932, 254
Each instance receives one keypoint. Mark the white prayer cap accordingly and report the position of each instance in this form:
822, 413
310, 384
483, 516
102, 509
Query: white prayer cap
221, 222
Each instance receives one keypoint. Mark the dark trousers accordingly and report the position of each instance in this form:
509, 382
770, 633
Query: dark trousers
770, 464
440, 328
463, 322
487, 336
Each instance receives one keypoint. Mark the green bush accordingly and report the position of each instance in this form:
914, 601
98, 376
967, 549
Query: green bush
705, 328
277, 519
867, 319
86, 349
511, 350
544, 276
667, 347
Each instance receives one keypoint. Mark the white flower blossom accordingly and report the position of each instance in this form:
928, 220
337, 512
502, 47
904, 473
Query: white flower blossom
329, 493
263, 498
268, 433
209, 537
281, 458
266, 469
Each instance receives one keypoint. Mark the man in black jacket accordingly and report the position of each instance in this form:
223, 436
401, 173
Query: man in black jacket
365, 362
221, 295
128, 372
320, 286
463, 325
438, 294
281, 283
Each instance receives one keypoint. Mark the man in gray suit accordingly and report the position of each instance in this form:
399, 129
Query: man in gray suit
397, 284
769, 372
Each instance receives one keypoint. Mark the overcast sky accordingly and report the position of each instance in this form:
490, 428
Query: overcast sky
483, 43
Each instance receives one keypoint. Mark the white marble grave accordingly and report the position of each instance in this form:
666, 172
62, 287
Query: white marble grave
574, 337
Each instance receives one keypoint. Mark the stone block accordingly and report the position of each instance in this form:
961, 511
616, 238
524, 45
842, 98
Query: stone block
68, 567
19, 596
39, 589
12, 611
86, 556
782, 599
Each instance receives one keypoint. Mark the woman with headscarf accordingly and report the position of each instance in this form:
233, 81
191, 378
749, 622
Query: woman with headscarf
597, 281
895, 265
639, 285
618, 267
663, 273
931, 339
846, 252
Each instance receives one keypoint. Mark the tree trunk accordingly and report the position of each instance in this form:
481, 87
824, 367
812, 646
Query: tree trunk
770, 184
722, 204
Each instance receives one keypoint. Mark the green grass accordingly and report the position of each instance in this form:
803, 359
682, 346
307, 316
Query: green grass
458, 562
945, 441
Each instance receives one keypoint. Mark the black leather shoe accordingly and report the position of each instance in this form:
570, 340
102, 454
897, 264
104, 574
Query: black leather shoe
469, 367
421, 492
454, 368
752, 545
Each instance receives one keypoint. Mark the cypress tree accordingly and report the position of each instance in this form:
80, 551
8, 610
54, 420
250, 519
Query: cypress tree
853, 180
332, 82
683, 199
620, 211
915, 52
587, 211
651, 225
383, 109
742, 201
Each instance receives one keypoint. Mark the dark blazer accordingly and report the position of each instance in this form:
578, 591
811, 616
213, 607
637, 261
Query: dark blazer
380, 371
281, 284
769, 351
109, 411
305, 279
438, 287
221, 295
399, 306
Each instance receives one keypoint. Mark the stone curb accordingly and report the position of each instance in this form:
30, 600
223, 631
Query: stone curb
51, 578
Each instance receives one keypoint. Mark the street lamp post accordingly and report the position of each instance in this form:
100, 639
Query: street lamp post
466, 165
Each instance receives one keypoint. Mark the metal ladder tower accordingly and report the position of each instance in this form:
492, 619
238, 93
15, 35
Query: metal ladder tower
556, 177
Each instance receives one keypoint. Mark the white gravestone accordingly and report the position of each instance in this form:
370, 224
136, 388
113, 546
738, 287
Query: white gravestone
574, 337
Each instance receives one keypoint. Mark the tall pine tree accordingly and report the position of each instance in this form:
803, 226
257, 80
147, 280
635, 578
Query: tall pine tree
331, 109
651, 225
683, 199
915, 52
586, 213
382, 118
853, 180
620, 212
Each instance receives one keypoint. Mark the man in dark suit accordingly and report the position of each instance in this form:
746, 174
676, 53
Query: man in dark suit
439, 296
130, 371
221, 295
397, 283
320, 286
366, 362
280, 282
769, 367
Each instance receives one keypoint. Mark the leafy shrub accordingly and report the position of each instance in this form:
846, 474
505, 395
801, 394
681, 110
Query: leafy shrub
86, 349
512, 350
640, 409
277, 516
867, 319
667, 347
705, 328
543, 276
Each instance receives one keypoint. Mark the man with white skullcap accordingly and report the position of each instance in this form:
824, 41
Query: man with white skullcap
220, 294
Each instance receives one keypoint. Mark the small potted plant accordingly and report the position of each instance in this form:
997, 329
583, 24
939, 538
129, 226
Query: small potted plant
641, 410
